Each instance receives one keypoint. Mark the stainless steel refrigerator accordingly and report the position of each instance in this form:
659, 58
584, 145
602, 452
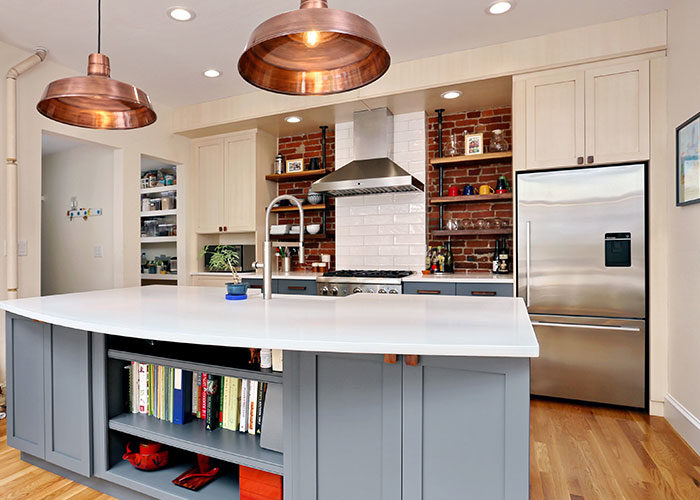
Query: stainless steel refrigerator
582, 272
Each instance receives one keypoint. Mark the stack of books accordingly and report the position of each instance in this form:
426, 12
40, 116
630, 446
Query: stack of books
160, 391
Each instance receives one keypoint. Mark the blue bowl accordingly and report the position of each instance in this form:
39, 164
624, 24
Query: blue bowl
234, 289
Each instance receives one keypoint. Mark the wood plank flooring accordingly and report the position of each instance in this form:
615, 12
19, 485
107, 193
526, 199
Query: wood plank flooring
577, 452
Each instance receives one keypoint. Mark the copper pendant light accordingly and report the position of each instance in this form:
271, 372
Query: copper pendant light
96, 101
314, 51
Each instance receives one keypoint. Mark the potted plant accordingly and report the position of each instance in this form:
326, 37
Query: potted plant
223, 257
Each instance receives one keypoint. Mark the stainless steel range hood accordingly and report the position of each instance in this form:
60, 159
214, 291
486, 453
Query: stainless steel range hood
372, 171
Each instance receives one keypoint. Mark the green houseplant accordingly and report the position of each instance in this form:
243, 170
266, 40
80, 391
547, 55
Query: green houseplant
222, 257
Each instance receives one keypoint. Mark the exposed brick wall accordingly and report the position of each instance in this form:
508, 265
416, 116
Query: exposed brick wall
470, 252
308, 146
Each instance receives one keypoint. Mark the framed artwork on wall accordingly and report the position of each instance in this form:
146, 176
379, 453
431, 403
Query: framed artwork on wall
688, 162
473, 144
296, 165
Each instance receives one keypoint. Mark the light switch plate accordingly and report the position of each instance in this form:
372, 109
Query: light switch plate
98, 251
22, 248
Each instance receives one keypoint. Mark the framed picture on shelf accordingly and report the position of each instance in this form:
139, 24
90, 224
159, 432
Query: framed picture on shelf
688, 162
296, 165
473, 144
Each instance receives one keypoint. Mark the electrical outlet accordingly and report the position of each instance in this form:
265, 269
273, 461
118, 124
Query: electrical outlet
98, 251
325, 258
22, 248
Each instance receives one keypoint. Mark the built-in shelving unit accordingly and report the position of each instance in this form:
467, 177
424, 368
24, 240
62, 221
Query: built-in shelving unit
297, 176
476, 198
450, 160
159, 189
159, 277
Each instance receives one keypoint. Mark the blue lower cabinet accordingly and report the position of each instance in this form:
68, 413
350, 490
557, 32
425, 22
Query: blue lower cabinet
257, 283
429, 288
296, 287
485, 289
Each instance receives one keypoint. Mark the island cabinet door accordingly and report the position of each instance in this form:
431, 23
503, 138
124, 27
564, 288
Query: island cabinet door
67, 399
342, 428
25, 384
466, 429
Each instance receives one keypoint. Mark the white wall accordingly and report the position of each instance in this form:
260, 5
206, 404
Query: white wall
384, 231
156, 141
68, 262
683, 230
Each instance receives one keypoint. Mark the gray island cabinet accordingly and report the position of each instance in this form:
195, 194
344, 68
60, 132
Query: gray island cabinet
446, 418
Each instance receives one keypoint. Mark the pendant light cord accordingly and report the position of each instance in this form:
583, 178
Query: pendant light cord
99, 25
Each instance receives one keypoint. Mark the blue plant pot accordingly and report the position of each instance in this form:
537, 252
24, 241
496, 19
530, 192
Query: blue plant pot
234, 289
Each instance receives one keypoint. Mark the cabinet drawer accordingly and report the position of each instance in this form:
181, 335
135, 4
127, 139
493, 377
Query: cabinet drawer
485, 289
257, 284
297, 287
429, 288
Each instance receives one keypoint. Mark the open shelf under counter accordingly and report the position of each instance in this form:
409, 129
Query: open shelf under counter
158, 483
471, 232
231, 446
295, 209
475, 198
297, 176
159, 277
159, 213
159, 189
158, 239
273, 377
456, 160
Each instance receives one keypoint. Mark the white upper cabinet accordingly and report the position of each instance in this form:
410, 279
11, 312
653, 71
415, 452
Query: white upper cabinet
239, 185
617, 113
589, 115
209, 158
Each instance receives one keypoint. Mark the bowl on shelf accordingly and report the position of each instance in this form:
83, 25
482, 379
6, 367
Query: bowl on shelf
313, 228
314, 198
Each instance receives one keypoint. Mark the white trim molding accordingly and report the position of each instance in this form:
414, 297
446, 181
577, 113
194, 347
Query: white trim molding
685, 423
656, 408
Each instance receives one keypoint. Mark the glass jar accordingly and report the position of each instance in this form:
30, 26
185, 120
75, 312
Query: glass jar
499, 144
451, 146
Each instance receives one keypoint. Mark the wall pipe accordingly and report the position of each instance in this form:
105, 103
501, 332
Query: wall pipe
11, 165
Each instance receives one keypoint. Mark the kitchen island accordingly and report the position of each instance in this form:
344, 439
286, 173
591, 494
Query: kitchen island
454, 424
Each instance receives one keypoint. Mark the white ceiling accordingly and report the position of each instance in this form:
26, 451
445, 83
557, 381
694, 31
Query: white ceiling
166, 58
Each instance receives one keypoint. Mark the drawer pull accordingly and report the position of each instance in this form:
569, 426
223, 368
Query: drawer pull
259, 287
301, 288
432, 292
483, 293
412, 359
390, 359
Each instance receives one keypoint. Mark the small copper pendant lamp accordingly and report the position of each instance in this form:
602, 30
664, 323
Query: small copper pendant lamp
314, 51
96, 101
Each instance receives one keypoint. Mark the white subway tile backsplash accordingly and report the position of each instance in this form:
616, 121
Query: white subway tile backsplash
379, 261
350, 241
378, 219
363, 230
394, 250
394, 229
364, 210
382, 239
416, 208
414, 218
416, 228
418, 250
394, 209
414, 263
363, 250
409, 239
352, 220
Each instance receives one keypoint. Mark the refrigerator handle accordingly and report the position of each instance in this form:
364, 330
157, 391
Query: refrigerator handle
588, 327
527, 263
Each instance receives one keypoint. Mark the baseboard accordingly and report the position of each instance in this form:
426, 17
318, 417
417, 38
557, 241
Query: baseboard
685, 423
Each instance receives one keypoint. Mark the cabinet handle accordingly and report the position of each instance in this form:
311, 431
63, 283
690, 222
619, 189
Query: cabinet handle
411, 359
432, 292
390, 359
296, 288
579, 160
590, 159
483, 293
219, 228
225, 228
258, 287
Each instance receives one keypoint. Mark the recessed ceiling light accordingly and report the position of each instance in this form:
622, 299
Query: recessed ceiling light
451, 94
212, 73
500, 7
293, 119
181, 14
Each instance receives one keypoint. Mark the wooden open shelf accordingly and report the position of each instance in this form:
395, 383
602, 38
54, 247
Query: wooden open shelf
471, 232
476, 198
297, 176
294, 208
450, 160
295, 237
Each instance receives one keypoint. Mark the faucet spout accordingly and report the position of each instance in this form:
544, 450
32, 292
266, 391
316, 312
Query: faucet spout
267, 249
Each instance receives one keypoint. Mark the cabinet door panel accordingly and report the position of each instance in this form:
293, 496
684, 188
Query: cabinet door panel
25, 384
485, 289
239, 187
555, 120
617, 113
209, 156
428, 288
68, 424
466, 428
348, 444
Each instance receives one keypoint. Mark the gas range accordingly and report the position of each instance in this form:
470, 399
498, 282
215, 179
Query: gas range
347, 282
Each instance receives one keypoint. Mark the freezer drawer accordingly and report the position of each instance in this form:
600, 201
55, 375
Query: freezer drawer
600, 360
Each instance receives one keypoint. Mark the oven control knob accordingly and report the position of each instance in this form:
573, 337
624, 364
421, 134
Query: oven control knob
381, 290
324, 290
369, 290
393, 291
357, 289
334, 291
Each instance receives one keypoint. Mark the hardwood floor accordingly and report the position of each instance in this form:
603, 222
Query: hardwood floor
577, 452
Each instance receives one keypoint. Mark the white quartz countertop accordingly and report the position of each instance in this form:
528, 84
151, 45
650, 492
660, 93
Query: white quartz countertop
379, 324
464, 277
294, 275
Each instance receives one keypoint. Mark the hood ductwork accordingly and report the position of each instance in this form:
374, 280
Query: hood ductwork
372, 171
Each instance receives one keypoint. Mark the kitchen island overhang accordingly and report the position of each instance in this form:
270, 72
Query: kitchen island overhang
456, 425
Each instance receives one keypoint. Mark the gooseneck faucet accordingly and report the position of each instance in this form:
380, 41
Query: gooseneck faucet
266, 265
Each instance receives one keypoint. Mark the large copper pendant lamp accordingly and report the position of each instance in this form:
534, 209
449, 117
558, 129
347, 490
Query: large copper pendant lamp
95, 100
314, 51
